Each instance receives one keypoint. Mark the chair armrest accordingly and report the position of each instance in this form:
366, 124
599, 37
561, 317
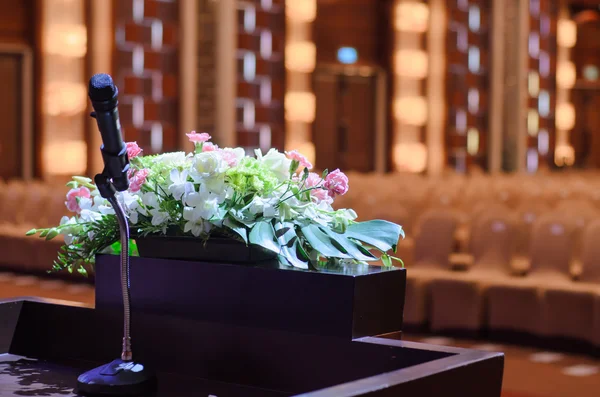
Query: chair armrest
520, 265
460, 261
576, 268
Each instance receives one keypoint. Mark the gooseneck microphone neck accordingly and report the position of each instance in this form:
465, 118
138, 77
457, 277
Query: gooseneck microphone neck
104, 97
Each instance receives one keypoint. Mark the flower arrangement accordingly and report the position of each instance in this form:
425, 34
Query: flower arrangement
272, 200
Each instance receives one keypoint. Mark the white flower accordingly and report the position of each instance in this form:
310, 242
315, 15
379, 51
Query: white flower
171, 159
90, 216
262, 205
276, 162
207, 165
205, 205
150, 199
159, 217
233, 156
195, 223
180, 186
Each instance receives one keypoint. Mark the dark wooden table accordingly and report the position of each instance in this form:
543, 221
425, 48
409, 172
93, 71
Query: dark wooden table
44, 346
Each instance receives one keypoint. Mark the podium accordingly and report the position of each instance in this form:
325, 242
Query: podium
44, 345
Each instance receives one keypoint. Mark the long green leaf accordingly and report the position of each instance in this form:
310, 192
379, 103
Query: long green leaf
349, 246
322, 242
263, 234
382, 235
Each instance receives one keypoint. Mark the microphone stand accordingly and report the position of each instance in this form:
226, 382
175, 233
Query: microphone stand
122, 376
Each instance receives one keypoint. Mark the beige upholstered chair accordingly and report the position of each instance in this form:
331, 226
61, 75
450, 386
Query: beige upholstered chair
516, 304
528, 212
434, 241
457, 302
569, 308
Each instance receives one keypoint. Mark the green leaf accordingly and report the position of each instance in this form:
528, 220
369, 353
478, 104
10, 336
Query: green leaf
263, 234
72, 184
285, 233
292, 253
238, 228
322, 242
382, 235
349, 246
31, 232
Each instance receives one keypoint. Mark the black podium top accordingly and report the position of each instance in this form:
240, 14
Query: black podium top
44, 346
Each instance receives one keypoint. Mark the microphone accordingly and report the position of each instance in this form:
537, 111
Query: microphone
122, 376
104, 97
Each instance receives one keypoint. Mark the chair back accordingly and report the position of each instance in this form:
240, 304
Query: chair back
552, 244
434, 239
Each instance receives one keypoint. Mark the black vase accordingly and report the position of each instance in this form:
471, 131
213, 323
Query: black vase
215, 249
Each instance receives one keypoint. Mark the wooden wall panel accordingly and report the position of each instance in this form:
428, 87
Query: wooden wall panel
260, 56
467, 83
146, 69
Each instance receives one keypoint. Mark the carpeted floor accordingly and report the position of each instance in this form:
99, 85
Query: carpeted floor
528, 372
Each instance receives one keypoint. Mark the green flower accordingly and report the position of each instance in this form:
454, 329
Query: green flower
250, 176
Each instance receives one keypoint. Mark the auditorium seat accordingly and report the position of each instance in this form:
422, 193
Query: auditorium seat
433, 243
458, 302
516, 304
569, 306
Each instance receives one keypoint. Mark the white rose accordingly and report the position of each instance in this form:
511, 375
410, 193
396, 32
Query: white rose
208, 164
171, 159
276, 162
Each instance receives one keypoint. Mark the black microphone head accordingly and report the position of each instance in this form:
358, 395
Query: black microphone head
102, 88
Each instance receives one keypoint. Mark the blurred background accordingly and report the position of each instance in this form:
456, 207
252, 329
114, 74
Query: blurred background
473, 123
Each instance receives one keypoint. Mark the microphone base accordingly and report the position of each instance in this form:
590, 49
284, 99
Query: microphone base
117, 378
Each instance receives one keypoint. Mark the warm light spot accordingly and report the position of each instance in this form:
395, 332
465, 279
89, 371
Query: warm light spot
533, 122
301, 56
472, 141
566, 74
65, 157
533, 84
69, 40
564, 155
301, 10
411, 110
300, 106
411, 63
410, 156
566, 33
411, 17
565, 116
64, 98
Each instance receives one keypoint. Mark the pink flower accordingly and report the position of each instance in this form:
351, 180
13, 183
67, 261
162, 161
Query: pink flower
198, 138
133, 150
294, 155
72, 202
138, 179
318, 193
209, 147
336, 182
